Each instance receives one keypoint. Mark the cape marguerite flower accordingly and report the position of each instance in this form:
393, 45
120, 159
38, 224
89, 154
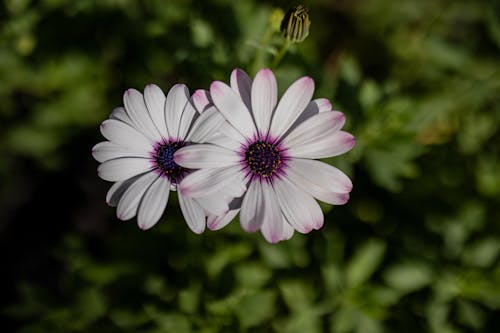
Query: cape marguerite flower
272, 148
138, 156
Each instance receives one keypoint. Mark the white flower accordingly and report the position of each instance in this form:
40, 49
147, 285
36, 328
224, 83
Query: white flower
271, 148
138, 156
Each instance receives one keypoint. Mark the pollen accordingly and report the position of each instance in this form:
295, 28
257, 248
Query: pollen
263, 158
163, 157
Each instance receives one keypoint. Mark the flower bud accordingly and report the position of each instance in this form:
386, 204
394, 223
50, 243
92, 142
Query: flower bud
295, 25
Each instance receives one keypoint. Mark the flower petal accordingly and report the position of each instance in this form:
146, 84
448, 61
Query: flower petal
119, 113
201, 100
232, 107
206, 125
177, 98
242, 85
283, 230
206, 156
208, 181
127, 207
186, 120
222, 140
272, 221
116, 191
252, 207
107, 150
122, 134
319, 179
153, 203
155, 102
327, 145
309, 130
287, 229
292, 103
264, 98
123, 168
138, 113
213, 204
193, 213
298, 207
215, 222
314, 107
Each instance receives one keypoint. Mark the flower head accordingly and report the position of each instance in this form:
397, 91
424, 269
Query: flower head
270, 148
138, 155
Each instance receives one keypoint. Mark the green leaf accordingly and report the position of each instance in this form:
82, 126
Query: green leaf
254, 309
408, 277
365, 262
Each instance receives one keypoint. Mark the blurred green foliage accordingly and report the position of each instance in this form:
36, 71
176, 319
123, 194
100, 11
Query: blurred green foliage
415, 250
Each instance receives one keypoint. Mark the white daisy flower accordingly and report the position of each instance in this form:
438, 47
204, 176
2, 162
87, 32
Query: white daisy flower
271, 147
138, 156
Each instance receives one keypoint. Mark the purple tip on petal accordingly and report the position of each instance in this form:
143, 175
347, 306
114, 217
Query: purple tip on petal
266, 72
350, 140
344, 197
325, 104
274, 239
215, 87
306, 81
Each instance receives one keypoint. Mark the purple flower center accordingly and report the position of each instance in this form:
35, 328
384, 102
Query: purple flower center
263, 158
163, 157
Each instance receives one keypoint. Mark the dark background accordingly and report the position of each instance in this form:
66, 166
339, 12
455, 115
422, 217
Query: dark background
415, 250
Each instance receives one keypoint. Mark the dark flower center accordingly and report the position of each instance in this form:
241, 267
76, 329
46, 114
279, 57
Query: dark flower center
164, 158
263, 158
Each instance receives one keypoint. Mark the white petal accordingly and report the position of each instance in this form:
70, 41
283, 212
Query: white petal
292, 103
233, 108
235, 188
138, 113
298, 207
123, 168
314, 107
107, 150
264, 97
222, 140
116, 191
127, 207
193, 213
119, 113
206, 156
206, 125
218, 222
176, 101
309, 130
272, 221
213, 204
186, 120
252, 207
327, 145
208, 181
242, 85
155, 102
282, 230
201, 100
153, 203
287, 229
231, 132
122, 134
319, 179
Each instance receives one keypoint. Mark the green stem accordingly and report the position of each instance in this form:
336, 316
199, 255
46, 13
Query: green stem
281, 54
259, 53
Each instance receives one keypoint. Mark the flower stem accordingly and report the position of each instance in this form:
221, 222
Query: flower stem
281, 54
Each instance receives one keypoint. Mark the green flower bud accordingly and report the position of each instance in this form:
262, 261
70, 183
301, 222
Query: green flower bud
295, 25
